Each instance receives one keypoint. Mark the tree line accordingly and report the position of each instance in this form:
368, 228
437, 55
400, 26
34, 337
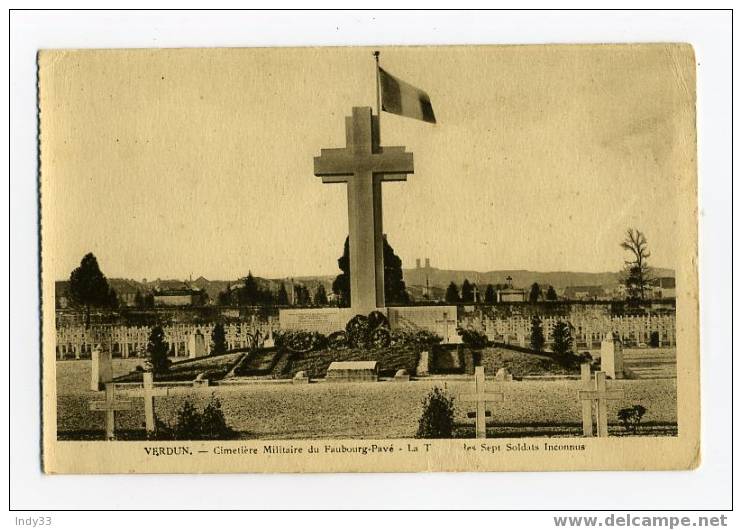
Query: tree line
250, 293
89, 287
466, 294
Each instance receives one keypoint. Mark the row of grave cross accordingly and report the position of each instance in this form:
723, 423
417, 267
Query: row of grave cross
594, 397
112, 405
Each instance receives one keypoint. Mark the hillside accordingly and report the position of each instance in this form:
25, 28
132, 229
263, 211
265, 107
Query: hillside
440, 278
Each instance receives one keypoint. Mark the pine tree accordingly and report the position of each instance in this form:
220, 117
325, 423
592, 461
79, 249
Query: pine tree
467, 292
551, 294
535, 294
149, 300
89, 287
282, 299
138, 300
489, 294
218, 340
537, 334
224, 298
157, 350
249, 294
113, 298
320, 296
452, 294
561, 336
395, 291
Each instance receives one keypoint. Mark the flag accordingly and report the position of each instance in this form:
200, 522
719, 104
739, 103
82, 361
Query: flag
404, 99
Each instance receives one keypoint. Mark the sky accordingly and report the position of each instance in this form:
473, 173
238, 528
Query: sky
172, 163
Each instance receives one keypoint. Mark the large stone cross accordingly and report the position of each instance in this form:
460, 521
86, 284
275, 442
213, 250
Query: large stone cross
363, 165
110, 406
481, 397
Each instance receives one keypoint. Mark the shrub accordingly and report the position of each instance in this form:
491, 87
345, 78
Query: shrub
537, 333
418, 337
585, 357
213, 424
436, 420
218, 340
157, 350
630, 417
192, 424
188, 423
562, 337
472, 338
423, 337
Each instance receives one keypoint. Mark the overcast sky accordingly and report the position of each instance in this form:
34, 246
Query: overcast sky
179, 162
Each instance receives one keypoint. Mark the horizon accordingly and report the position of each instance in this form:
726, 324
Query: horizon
278, 278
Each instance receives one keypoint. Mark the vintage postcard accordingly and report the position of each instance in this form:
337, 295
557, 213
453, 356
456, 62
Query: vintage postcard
456, 258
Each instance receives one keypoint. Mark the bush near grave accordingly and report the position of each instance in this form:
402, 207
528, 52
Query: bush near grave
436, 420
472, 338
193, 424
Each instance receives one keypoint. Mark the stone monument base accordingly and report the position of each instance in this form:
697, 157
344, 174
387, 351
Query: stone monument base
323, 320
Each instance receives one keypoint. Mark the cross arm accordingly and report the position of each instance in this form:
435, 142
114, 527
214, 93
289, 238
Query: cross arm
596, 394
487, 396
333, 162
144, 392
342, 162
106, 406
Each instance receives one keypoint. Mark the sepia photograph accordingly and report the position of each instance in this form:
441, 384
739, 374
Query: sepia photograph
393, 258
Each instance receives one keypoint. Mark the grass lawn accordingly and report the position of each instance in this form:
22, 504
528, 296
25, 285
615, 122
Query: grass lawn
74, 376
379, 410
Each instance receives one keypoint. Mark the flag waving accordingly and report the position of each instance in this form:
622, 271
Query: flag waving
404, 99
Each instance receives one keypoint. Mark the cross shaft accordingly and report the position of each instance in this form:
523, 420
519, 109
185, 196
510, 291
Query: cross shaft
363, 165
110, 406
481, 397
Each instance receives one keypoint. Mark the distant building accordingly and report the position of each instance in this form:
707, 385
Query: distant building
181, 296
663, 287
126, 291
584, 292
512, 295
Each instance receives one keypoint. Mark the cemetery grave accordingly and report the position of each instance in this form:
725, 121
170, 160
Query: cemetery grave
381, 410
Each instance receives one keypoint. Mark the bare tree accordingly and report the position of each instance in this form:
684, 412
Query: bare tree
636, 269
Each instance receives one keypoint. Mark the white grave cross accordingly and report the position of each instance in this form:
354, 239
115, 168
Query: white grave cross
600, 396
481, 397
148, 392
587, 401
110, 406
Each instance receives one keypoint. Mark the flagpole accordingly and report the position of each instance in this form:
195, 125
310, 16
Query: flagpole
378, 93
